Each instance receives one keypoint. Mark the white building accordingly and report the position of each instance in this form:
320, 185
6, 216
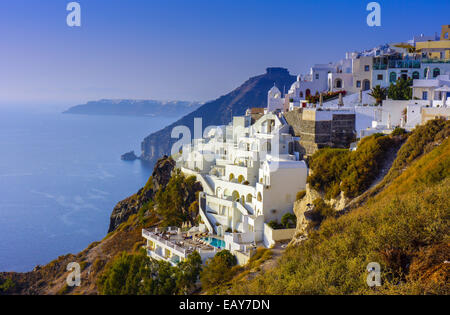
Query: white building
251, 178
173, 246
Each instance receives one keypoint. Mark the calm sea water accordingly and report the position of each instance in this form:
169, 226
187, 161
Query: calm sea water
60, 177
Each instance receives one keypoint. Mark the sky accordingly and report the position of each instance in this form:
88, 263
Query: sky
184, 49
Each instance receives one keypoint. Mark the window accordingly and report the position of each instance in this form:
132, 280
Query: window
366, 68
425, 95
436, 72
259, 197
358, 84
392, 77
317, 76
415, 75
380, 77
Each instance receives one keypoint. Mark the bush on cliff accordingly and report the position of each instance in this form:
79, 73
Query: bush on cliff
352, 172
137, 274
405, 228
173, 203
218, 270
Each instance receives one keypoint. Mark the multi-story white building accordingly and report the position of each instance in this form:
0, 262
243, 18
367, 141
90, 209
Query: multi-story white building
173, 246
251, 177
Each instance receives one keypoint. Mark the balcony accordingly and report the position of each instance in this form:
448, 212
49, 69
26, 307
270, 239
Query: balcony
435, 60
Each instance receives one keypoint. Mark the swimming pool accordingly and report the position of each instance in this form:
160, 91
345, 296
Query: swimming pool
215, 242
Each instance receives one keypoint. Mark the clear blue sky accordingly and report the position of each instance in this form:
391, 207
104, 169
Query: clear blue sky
184, 49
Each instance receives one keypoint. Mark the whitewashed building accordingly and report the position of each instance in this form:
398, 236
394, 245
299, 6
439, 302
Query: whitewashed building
251, 177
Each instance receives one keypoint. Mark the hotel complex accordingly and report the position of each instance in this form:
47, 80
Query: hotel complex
252, 168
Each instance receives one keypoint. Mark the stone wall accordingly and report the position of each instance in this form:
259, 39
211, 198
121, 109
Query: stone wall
314, 134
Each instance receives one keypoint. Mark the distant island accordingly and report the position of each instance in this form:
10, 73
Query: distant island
124, 107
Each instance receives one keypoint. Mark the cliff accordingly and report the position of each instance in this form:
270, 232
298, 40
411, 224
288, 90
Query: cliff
127, 220
151, 108
131, 205
253, 93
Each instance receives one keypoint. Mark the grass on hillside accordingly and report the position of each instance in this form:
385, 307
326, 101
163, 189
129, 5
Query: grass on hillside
405, 228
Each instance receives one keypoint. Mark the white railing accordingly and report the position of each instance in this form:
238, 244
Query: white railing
163, 241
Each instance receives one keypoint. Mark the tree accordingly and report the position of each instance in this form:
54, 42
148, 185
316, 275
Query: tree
189, 273
288, 220
379, 94
218, 270
401, 91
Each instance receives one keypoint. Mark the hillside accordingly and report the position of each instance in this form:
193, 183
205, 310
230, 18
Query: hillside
151, 108
402, 223
404, 226
253, 93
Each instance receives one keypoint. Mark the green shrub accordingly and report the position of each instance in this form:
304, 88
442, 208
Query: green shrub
172, 207
7, 285
218, 270
399, 132
352, 172
401, 90
289, 220
137, 274
274, 225
405, 228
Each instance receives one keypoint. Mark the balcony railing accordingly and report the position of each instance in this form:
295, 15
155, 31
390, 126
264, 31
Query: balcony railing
435, 60
398, 64
169, 244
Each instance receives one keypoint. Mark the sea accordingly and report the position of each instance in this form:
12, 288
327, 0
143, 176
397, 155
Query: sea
60, 177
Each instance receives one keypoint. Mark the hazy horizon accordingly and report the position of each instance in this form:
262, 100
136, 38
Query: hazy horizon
179, 50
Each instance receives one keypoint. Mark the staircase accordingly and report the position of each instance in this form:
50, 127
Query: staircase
202, 211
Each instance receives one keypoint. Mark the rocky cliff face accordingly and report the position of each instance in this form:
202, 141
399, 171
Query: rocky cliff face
125, 208
51, 278
304, 206
253, 93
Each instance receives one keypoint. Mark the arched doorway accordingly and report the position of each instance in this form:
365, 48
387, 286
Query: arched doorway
235, 196
231, 177
436, 72
338, 84
392, 77
241, 179
259, 197
308, 92
366, 85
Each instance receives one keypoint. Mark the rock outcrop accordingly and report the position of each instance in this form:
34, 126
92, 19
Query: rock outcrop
131, 205
129, 156
304, 206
